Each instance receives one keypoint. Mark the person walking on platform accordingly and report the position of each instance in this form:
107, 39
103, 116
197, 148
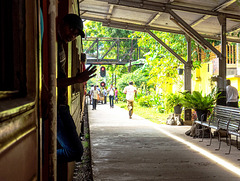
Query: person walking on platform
116, 95
105, 95
130, 92
111, 96
231, 95
91, 96
95, 95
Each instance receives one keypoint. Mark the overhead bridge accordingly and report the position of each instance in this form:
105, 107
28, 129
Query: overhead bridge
112, 51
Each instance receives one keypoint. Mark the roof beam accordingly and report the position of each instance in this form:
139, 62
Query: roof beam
217, 8
162, 7
131, 26
110, 10
166, 46
106, 62
153, 18
192, 33
143, 28
94, 12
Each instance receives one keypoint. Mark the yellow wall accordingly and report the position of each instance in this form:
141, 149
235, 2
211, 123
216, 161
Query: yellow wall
201, 79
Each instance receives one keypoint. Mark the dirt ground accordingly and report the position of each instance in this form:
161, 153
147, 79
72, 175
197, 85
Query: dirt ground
83, 170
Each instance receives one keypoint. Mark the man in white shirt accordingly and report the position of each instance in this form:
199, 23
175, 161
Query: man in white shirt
91, 94
231, 95
130, 92
111, 91
105, 95
94, 95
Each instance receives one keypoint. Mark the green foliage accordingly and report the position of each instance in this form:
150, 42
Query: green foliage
145, 101
173, 100
157, 102
121, 96
138, 77
95, 29
198, 101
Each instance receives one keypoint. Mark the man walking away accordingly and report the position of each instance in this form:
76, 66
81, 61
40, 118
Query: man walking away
130, 92
95, 94
111, 95
105, 95
91, 96
231, 95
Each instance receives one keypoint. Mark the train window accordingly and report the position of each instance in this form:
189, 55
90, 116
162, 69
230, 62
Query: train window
12, 64
18, 55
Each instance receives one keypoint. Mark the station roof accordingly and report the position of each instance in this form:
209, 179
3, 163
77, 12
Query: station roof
167, 15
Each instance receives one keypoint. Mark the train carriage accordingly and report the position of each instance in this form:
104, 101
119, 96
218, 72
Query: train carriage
28, 61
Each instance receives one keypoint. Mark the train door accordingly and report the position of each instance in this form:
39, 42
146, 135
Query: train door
19, 90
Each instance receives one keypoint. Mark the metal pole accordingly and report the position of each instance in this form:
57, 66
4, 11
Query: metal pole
112, 78
118, 46
97, 49
52, 118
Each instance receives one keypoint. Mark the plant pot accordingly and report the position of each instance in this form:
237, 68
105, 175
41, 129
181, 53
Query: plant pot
180, 71
200, 113
177, 109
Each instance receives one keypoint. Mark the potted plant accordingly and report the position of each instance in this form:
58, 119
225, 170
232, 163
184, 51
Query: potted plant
174, 101
202, 104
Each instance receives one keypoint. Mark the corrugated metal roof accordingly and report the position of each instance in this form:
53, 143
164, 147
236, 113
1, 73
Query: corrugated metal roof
141, 15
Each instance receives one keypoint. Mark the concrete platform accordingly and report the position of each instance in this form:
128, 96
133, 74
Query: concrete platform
137, 149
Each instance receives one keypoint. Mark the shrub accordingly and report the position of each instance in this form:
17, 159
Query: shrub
145, 101
198, 101
173, 100
121, 96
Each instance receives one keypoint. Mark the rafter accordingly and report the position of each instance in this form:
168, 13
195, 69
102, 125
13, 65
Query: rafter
153, 18
110, 10
217, 8
162, 7
143, 28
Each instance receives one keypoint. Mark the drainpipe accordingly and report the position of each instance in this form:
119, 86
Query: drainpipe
52, 129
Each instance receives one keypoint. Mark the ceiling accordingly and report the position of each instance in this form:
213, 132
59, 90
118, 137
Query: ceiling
174, 16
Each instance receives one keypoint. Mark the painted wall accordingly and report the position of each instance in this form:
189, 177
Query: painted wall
201, 79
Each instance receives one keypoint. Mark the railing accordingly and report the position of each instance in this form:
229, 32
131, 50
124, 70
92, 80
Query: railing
231, 55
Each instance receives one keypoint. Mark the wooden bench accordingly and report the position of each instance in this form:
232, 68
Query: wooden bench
224, 120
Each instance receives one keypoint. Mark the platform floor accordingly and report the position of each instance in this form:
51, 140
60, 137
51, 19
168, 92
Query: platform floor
137, 149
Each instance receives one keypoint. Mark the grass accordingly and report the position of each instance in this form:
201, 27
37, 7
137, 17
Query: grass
146, 112
85, 144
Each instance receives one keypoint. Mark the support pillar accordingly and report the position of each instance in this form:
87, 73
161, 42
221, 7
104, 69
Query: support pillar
221, 82
187, 79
